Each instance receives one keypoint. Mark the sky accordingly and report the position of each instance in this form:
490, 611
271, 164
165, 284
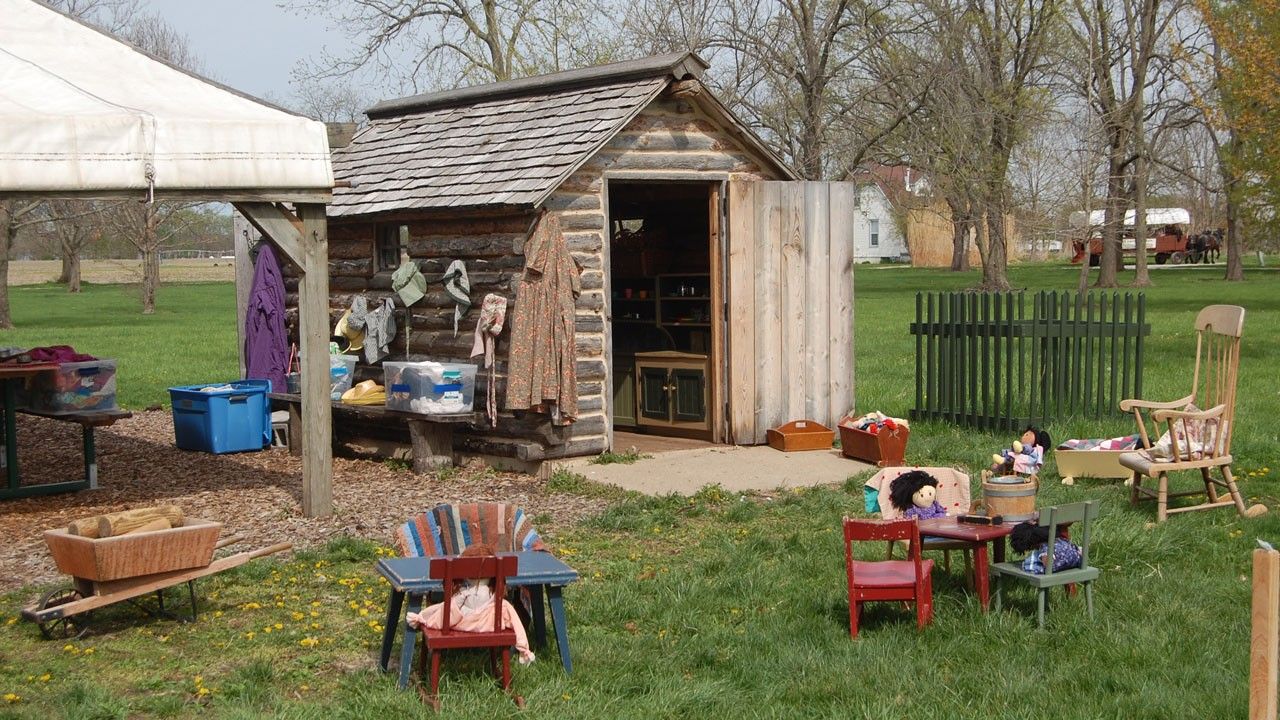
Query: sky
250, 45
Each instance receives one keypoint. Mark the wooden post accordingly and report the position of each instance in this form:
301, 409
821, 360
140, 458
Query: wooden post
244, 235
313, 322
1264, 645
305, 240
432, 445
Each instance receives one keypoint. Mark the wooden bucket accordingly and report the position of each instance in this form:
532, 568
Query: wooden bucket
1015, 501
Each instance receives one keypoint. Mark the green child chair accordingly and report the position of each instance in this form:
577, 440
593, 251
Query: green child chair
1082, 515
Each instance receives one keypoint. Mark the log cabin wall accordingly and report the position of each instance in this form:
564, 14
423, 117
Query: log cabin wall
671, 139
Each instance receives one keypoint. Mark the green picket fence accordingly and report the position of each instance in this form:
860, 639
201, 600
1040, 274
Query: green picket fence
986, 360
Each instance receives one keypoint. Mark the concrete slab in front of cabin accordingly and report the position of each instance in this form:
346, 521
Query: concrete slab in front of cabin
733, 468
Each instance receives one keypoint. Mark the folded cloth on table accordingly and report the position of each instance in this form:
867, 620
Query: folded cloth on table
1124, 442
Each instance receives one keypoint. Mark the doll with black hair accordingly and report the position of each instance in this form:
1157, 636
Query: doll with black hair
915, 494
1025, 456
1033, 539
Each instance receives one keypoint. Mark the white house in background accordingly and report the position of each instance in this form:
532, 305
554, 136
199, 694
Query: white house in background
877, 235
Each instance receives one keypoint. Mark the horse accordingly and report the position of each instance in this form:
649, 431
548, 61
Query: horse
1212, 246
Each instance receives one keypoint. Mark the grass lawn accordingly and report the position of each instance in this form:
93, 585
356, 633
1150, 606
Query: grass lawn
729, 605
190, 339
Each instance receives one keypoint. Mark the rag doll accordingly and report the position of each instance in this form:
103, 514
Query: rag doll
1025, 456
473, 606
915, 494
1028, 537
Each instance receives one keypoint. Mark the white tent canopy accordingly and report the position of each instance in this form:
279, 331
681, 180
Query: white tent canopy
83, 111
83, 114
1155, 217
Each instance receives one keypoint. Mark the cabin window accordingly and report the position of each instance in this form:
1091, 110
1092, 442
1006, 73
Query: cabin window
874, 227
392, 241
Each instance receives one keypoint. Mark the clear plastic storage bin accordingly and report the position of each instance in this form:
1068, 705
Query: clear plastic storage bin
341, 370
74, 387
430, 388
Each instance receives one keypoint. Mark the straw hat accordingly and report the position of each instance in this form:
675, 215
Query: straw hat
368, 392
355, 338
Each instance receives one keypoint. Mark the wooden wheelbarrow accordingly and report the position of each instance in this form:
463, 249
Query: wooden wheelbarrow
106, 571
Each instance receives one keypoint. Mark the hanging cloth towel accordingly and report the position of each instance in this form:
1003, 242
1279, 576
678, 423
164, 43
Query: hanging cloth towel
266, 343
458, 287
493, 315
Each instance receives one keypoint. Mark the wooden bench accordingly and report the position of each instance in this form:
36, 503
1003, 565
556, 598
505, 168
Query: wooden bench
87, 422
431, 435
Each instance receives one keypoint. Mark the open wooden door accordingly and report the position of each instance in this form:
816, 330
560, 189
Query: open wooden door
790, 302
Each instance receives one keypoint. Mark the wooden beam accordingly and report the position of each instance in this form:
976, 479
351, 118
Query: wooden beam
243, 236
210, 195
282, 227
1264, 650
742, 311
313, 322
840, 338
718, 361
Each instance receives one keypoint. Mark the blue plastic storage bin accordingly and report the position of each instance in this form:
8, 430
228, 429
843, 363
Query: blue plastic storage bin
222, 421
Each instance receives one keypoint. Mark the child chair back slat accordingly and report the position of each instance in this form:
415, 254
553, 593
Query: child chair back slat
1079, 514
450, 571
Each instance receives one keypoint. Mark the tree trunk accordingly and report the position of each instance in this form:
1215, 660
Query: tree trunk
150, 260
960, 223
64, 277
8, 229
1112, 227
995, 264
1141, 278
1233, 239
71, 271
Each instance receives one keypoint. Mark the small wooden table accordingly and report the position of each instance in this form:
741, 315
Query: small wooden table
431, 435
539, 571
10, 375
977, 536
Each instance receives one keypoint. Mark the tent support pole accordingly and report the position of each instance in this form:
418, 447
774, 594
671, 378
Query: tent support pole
305, 240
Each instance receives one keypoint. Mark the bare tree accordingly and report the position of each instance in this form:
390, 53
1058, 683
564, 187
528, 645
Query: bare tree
75, 225
422, 44
1116, 65
14, 216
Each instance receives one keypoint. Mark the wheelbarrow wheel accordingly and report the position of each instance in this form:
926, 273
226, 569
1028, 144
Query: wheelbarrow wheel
63, 628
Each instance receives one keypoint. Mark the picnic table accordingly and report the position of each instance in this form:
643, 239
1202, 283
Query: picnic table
431, 435
11, 375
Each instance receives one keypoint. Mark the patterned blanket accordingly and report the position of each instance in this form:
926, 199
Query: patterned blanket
448, 529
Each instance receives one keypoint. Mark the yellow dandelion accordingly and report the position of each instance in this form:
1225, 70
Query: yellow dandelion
202, 691
12, 698
11, 621
364, 611
308, 642
68, 648
199, 680
266, 629
88, 651
315, 614
217, 613
46, 677
250, 635
315, 603
304, 688
297, 615
278, 626
316, 626
565, 696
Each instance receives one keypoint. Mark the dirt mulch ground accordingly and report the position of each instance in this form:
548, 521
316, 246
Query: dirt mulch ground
257, 496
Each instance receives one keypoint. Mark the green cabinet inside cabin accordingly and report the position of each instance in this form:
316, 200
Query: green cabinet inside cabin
672, 391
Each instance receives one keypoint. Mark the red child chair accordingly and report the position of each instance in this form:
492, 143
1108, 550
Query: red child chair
907, 580
451, 572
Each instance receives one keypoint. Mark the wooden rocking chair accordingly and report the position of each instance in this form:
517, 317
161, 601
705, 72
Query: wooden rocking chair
1200, 425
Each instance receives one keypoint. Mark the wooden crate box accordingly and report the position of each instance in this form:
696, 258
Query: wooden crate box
134, 554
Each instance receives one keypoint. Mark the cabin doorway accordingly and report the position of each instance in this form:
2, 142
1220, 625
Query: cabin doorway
666, 337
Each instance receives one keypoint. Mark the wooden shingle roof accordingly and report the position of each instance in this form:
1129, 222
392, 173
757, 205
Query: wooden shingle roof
505, 144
